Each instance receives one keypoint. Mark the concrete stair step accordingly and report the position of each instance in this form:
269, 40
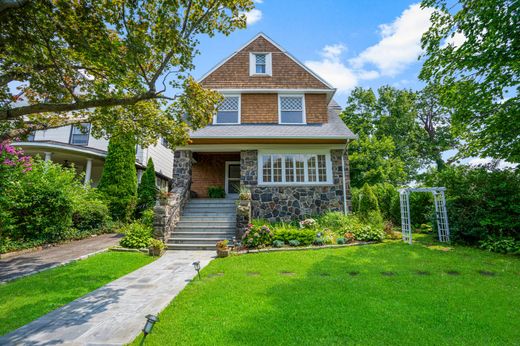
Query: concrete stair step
204, 229
208, 214
208, 235
197, 241
202, 218
218, 201
223, 210
190, 247
210, 205
203, 223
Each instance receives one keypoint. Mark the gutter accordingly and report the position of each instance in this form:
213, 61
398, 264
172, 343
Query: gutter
345, 150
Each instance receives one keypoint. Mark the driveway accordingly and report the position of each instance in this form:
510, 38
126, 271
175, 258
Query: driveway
34, 262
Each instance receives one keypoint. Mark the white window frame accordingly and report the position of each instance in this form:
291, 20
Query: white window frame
239, 110
304, 116
307, 154
268, 64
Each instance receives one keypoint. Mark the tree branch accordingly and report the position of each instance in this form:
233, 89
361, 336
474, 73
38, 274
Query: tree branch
15, 113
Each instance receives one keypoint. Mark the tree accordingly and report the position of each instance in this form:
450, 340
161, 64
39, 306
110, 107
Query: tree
112, 63
472, 52
118, 182
147, 190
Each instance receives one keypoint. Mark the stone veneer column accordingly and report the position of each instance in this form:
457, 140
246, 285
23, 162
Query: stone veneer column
335, 156
182, 162
249, 168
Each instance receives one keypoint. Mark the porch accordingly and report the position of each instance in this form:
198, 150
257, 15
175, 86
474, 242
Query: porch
210, 169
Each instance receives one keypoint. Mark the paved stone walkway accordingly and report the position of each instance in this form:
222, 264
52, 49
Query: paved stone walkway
34, 262
114, 314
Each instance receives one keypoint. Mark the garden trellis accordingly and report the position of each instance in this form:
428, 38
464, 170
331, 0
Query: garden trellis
440, 212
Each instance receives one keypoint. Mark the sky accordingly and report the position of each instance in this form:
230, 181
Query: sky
349, 43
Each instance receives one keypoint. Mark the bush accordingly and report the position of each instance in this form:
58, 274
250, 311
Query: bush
137, 236
294, 242
334, 220
303, 236
278, 243
328, 236
507, 245
90, 214
368, 206
216, 192
147, 190
42, 202
341, 241
388, 201
147, 217
318, 241
257, 236
156, 244
119, 179
482, 202
368, 233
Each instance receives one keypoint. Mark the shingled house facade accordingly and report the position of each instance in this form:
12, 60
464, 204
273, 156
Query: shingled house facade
277, 132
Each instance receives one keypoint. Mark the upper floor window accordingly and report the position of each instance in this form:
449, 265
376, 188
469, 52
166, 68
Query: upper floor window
79, 134
292, 109
229, 111
260, 64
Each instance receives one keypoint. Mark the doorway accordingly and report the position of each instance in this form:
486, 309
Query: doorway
232, 179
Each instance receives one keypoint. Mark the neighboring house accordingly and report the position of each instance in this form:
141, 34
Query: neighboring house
73, 145
277, 132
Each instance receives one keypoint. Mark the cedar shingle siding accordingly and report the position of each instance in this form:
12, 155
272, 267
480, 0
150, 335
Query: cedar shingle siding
316, 108
286, 73
259, 108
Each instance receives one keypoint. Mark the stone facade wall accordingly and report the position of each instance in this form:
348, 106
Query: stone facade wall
285, 203
243, 218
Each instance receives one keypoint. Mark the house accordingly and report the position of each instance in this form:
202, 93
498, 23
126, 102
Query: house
74, 145
277, 133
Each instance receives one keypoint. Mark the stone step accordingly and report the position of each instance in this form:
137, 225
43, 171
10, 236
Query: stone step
196, 228
208, 235
219, 201
216, 209
204, 223
211, 205
189, 247
207, 213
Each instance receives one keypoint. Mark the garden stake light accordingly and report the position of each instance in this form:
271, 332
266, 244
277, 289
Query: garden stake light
150, 321
196, 264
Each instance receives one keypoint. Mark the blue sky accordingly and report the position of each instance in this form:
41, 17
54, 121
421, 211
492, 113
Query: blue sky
350, 43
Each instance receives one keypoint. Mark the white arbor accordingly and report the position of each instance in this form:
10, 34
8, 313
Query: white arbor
440, 212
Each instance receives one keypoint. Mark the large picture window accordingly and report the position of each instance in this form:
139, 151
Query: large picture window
292, 110
294, 169
229, 111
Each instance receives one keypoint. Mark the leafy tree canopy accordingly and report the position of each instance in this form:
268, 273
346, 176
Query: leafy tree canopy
117, 64
472, 52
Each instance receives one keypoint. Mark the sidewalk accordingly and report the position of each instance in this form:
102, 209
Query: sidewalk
34, 262
115, 313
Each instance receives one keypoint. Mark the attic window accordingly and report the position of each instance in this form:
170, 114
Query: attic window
260, 64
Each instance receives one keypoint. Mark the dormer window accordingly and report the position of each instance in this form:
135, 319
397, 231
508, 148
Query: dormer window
260, 64
291, 109
228, 111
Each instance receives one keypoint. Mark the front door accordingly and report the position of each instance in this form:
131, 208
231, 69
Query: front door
232, 179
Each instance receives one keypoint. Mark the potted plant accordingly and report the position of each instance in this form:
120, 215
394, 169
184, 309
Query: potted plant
156, 247
163, 197
222, 248
244, 194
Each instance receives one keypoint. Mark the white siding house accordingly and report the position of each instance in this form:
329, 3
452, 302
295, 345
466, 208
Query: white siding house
69, 145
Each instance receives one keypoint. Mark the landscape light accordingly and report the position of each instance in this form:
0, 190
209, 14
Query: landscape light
150, 321
196, 265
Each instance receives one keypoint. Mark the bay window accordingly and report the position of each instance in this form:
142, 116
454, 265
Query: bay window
294, 169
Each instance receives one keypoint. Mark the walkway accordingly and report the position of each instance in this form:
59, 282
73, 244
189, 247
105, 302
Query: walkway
34, 262
114, 314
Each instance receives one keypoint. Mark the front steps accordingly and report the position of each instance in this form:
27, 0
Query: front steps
203, 223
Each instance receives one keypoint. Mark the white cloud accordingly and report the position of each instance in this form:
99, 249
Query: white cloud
253, 16
456, 40
400, 43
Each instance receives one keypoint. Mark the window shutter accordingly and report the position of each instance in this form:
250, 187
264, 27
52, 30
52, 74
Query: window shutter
269, 64
252, 64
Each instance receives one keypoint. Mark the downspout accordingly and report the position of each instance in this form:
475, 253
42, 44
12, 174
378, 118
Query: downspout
345, 150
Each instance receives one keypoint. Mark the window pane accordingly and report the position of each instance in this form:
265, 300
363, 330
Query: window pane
260, 68
292, 117
234, 171
311, 165
289, 171
266, 168
260, 59
80, 134
233, 186
322, 168
277, 168
300, 168
227, 117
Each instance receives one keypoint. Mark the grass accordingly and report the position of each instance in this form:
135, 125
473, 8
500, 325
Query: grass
25, 299
385, 294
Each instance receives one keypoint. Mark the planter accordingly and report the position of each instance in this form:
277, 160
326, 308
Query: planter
221, 253
155, 252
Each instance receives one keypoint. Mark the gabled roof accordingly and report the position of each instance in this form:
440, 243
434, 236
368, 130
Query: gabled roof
264, 36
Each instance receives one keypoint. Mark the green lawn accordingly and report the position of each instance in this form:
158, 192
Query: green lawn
383, 294
24, 300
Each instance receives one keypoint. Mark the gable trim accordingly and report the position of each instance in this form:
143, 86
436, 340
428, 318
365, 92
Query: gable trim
261, 34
